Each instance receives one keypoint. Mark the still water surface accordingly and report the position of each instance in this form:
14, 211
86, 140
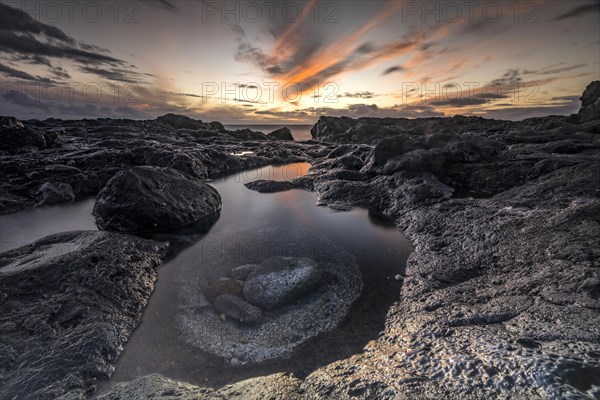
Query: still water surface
156, 347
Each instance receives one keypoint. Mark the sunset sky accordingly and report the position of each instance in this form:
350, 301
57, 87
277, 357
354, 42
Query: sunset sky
290, 62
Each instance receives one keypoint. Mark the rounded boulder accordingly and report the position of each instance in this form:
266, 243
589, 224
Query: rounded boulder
149, 199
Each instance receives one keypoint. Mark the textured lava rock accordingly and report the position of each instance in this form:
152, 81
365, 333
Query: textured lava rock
68, 303
280, 280
145, 199
590, 103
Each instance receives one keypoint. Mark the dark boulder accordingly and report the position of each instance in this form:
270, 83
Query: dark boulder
590, 103
224, 286
266, 186
147, 199
242, 271
183, 122
237, 308
280, 280
281, 134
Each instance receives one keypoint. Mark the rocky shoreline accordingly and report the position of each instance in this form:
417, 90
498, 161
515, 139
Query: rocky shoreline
500, 297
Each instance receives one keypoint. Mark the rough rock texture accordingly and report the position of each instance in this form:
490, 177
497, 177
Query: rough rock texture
146, 199
87, 153
283, 329
68, 303
281, 134
278, 386
237, 308
265, 186
590, 103
281, 280
501, 294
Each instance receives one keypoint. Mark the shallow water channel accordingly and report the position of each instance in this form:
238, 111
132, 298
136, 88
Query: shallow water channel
156, 346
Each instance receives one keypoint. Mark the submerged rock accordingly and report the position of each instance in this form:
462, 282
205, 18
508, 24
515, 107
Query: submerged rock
281, 134
282, 329
68, 303
281, 280
146, 199
221, 287
242, 271
238, 309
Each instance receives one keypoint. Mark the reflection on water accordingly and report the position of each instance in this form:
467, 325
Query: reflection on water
155, 347
27, 226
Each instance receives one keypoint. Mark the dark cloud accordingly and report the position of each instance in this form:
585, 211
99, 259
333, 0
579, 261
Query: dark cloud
357, 111
359, 95
460, 102
59, 72
113, 74
396, 68
579, 11
14, 73
23, 99
16, 20
26, 40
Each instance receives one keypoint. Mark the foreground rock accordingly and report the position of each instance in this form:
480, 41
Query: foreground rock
68, 303
277, 386
146, 199
279, 331
281, 280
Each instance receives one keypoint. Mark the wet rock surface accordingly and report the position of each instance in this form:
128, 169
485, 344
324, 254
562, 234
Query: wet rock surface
68, 303
280, 280
146, 199
315, 287
500, 297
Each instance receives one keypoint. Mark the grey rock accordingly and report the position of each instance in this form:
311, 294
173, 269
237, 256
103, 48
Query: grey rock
590, 103
266, 186
221, 287
280, 280
281, 134
235, 307
242, 271
55, 192
71, 300
146, 199
282, 330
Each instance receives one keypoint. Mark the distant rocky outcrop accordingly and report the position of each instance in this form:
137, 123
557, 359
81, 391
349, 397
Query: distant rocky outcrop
148, 199
281, 134
590, 103
183, 122
14, 136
